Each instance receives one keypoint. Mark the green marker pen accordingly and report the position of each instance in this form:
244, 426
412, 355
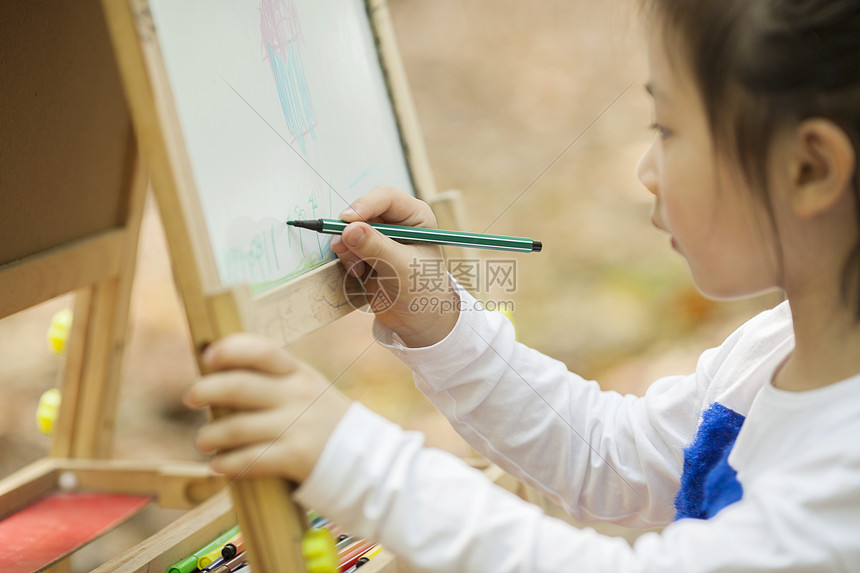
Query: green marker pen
187, 565
429, 236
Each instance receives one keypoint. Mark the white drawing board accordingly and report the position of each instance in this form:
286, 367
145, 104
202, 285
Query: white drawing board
285, 114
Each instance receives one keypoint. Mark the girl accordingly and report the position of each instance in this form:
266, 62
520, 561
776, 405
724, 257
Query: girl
752, 462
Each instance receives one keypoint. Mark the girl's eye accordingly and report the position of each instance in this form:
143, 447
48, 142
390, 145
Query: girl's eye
660, 130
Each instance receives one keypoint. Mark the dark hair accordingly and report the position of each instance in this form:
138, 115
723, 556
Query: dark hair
761, 65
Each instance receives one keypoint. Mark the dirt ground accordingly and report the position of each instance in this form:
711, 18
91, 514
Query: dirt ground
536, 112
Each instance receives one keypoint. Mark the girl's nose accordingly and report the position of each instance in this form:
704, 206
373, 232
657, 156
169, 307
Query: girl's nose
647, 169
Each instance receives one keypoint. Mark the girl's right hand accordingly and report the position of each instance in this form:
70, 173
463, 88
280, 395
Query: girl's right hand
408, 282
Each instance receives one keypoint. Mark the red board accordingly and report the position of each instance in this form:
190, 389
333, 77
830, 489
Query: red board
56, 525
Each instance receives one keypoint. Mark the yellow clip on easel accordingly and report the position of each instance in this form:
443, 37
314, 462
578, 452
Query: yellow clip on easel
49, 403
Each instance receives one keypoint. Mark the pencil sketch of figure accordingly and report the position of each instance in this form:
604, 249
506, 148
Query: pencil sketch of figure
282, 41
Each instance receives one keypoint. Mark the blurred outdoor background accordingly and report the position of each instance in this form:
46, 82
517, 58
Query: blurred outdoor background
534, 110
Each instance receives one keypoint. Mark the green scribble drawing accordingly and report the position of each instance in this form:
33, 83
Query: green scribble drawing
305, 266
312, 200
252, 254
254, 246
274, 247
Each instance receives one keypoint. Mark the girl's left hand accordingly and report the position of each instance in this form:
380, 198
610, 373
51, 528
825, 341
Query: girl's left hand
283, 410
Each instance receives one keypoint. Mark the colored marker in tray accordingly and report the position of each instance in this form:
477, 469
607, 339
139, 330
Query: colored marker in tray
226, 554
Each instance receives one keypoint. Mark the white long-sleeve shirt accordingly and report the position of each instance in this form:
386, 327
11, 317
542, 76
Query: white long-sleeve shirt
602, 456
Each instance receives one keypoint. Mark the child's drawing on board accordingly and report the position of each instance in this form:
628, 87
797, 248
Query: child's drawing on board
749, 463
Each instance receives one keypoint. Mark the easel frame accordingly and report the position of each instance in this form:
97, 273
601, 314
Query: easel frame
154, 112
73, 200
97, 264
265, 511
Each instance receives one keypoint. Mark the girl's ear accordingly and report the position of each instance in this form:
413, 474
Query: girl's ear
822, 166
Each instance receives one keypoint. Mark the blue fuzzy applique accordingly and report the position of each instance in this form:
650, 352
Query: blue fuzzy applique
708, 482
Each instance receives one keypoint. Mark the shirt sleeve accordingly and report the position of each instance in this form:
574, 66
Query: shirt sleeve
377, 481
599, 455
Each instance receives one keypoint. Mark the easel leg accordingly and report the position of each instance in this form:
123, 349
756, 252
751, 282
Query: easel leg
272, 523
97, 340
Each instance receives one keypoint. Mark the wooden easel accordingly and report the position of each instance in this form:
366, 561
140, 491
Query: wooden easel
270, 521
72, 202
73, 226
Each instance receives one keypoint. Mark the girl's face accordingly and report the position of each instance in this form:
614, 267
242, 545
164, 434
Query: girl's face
702, 200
